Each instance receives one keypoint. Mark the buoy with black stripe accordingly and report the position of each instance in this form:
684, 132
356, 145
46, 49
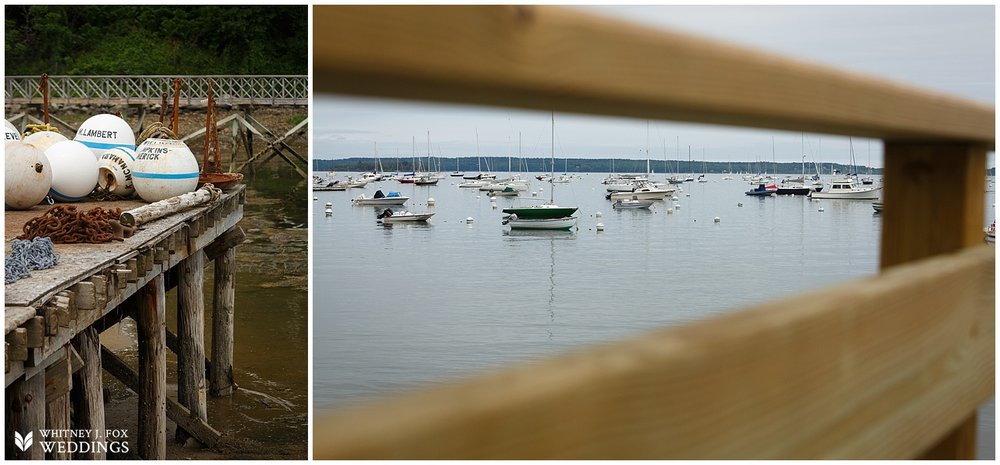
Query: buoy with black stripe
164, 168
103, 132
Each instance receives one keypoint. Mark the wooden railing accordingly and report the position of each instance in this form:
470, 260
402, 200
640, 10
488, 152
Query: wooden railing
892, 366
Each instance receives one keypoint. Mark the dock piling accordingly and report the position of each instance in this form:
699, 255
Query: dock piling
151, 325
191, 382
223, 306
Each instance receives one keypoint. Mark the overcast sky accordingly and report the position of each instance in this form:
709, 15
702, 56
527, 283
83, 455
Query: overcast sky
945, 48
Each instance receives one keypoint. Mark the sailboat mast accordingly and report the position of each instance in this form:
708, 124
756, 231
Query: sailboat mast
479, 161
647, 148
552, 165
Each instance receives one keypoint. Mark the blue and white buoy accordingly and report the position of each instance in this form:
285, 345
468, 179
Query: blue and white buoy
103, 132
164, 168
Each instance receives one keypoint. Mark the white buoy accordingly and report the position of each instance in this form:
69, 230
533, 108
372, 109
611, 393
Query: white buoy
10, 133
315, 199
478, 197
821, 209
164, 168
469, 220
534, 194
114, 171
329, 211
74, 170
677, 207
600, 227
739, 204
329, 204
670, 211
598, 214
430, 201
494, 205
717, 220
103, 132
27, 175
687, 195
674, 198
43, 139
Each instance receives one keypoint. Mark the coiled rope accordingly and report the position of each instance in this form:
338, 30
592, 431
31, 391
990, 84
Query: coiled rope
33, 128
36, 254
156, 130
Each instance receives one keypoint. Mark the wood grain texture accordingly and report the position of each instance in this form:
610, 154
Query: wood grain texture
192, 389
88, 396
868, 369
223, 308
16, 316
920, 219
25, 413
551, 58
152, 436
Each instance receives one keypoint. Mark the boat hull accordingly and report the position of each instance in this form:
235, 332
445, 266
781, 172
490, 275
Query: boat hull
855, 194
564, 224
539, 213
407, 218
632, 204
382, 202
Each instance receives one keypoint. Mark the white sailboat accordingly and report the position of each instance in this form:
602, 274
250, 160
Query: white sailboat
547, 215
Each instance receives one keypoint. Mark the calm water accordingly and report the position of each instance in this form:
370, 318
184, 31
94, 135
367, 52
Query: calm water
408, 305
267, 417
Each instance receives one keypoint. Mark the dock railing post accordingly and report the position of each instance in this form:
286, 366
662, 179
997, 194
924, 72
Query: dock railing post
152, 436
921, 219
191, 383
223, 306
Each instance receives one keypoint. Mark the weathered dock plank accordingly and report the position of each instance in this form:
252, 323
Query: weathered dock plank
80, 261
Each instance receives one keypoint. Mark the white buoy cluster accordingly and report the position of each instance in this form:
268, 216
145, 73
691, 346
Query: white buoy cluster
101, 154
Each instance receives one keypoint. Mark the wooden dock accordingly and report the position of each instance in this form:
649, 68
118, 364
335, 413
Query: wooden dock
53, 320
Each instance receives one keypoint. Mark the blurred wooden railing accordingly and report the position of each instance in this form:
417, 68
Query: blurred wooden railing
892, 366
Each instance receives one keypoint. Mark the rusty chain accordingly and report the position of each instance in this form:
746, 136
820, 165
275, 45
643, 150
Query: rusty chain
65, 225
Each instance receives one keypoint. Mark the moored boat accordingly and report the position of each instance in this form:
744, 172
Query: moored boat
623, 204
763, 190
394, 198
564, 223
845, 188
389, 216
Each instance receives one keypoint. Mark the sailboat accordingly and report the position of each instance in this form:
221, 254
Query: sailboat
845, 187
427, 179
867, 181
547, 215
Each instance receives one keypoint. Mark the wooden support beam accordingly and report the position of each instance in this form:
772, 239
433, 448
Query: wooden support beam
223, 307
225, 242
25, 415
17, 345
198, 428
921, 220
192, 389
174, 346
58, 382
551, 58
87, 396
152, 435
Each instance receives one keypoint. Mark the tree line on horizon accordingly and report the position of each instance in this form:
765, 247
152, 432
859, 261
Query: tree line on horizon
156, 39
581, 165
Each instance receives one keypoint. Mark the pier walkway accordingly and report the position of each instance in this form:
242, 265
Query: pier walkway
52, 321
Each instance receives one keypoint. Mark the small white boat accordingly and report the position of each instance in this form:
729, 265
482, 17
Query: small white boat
380, 200
389, 216
356, 183
991, 232
643, 192
564, 223
845, 188
623, 204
